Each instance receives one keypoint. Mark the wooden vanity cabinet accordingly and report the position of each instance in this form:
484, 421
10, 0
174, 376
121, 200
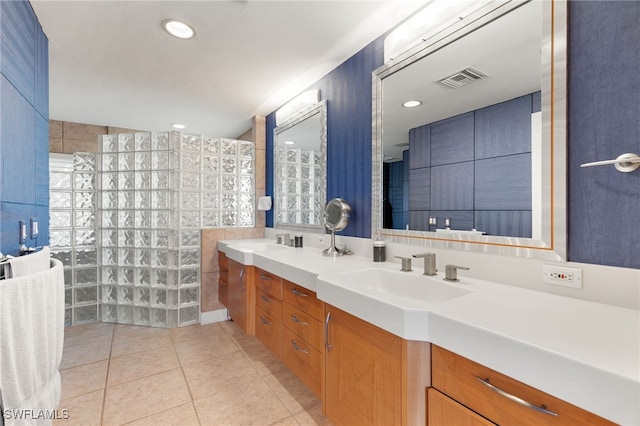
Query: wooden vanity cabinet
468, 385
223, 279
242, 296
372, 377
268, 316
445, 411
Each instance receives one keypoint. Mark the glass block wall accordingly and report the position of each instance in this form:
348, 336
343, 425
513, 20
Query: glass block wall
156, 191
300, 190
73, 232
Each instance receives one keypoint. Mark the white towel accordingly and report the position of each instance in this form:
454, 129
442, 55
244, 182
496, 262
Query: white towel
29, 264
31, 342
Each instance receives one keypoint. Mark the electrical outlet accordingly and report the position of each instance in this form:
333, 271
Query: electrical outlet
564, 277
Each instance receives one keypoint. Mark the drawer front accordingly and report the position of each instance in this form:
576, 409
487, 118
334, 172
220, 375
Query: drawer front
269, 283
444, 411
303, 299
269, 304
304, 360
303, 325
269, 332
468, 383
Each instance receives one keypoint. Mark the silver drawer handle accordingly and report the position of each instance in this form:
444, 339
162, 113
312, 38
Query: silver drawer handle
264, 321
265, 298
265, 277
542, 408
298, 293
298, 348
328, 345
298, 320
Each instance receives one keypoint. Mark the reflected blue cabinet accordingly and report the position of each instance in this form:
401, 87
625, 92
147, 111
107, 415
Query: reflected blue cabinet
24, 124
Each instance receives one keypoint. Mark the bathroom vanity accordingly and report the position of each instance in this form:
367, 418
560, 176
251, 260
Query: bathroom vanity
404, 348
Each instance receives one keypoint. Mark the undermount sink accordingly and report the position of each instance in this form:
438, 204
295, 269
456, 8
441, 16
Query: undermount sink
408, 285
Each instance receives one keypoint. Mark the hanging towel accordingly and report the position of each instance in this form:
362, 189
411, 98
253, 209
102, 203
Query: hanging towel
31, 342
29, 264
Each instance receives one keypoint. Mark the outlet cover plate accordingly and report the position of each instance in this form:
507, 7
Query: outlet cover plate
561, 276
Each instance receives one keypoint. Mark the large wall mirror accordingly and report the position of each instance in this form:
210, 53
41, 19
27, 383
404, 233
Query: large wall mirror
300, 157
480, 163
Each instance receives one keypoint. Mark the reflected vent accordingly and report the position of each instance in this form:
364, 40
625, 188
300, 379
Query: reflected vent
462, 78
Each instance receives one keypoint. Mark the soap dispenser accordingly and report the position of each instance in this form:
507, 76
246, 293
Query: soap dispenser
379, 250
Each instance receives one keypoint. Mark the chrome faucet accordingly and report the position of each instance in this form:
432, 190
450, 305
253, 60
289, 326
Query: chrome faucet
406, 263
451, 272
429, 263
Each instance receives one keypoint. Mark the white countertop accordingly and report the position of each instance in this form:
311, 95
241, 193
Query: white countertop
583, 352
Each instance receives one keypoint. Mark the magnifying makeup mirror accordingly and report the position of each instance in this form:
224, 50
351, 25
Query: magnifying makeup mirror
336, 218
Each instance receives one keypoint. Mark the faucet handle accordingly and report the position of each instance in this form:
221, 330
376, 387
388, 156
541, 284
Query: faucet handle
406, 263
429, 263
451, 272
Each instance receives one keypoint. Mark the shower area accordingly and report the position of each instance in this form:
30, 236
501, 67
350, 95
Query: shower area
126, 222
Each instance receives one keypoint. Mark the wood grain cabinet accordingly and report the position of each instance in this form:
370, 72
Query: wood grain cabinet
372, 377
472, 386
302, 343
241, 296
268, 316
223, 279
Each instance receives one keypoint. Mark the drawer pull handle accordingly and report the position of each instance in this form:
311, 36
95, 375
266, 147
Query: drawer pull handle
298, 348
264, 320
542, 408
328, 345
265, 277
298, 320
265, 298
298, 293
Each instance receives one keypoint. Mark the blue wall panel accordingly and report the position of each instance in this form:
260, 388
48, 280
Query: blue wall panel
452, 140
17, 33
420, 147
604, 106
503, 183
504, 128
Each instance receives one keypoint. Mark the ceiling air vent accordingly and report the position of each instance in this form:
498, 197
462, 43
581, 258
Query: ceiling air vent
462, 78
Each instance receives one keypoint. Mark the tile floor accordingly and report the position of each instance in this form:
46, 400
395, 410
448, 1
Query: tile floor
198, 375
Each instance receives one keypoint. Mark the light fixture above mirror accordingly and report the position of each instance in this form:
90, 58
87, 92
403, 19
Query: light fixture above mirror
546, 237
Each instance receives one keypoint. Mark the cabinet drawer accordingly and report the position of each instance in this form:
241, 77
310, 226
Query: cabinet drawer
223, 293
269, 332
269, 283
304, 360
269, 304
444, 411
467, 382
303, 299
304, 325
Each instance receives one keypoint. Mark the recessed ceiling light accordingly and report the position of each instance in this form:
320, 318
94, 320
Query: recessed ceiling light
178, 29
178, 126
411, 104
289, 142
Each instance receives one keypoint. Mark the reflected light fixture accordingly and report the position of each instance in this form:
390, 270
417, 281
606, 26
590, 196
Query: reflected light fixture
178, 126
289, 142
411, 104
178, 29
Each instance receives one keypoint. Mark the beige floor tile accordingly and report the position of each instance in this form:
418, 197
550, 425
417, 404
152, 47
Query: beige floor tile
144, 397
312, 417
197, 332
197, 351
215, 375
132, 345
85, 353
125, 332
292, 392
87, 333
83, 410
183, 415
83, 379
251, 403
141, 364
289, 421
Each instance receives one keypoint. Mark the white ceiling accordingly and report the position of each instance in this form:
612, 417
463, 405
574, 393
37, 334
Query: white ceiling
111, 63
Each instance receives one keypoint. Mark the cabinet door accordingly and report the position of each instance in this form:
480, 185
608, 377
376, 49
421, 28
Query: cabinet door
444, 411
241, 293
363, 372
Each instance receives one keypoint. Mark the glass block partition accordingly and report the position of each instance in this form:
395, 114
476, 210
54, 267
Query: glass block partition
300, 187
156, 191
73, 232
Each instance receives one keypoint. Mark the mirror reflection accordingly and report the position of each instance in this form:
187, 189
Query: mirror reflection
480, 163
300, 170
462, 158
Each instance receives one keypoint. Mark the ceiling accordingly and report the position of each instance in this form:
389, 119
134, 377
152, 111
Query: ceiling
112, 64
